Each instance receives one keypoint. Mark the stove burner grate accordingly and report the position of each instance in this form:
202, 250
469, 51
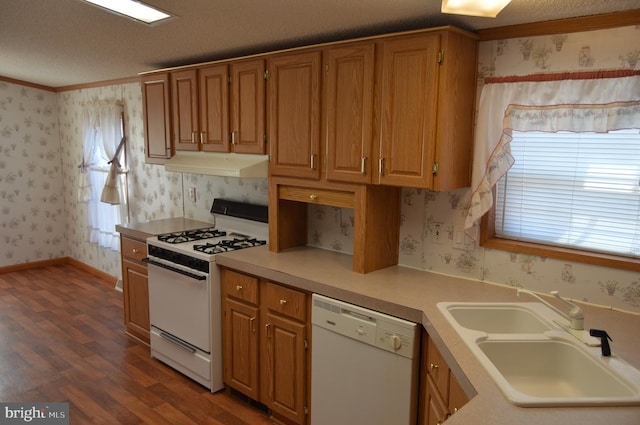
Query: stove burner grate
228, 245
191, 235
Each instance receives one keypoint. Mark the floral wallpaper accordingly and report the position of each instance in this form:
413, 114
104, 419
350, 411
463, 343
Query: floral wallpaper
40, 148
32, 205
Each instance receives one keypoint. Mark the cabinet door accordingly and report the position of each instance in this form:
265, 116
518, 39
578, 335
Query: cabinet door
408, 85
184, 110
241, 322
135, 290
284, 367
436, 407
248, 107
156, 118
349, 112
293, 92
214, 108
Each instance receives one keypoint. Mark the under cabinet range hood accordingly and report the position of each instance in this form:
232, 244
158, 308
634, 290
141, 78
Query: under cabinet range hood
219, 164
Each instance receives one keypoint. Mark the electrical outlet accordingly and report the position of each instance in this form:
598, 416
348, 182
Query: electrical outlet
461, 240
436, 233
192, 194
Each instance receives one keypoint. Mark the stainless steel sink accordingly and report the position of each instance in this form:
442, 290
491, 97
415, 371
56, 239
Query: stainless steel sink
535, 362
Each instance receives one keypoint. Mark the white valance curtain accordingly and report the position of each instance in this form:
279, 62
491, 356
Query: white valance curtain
580, 105
101, 137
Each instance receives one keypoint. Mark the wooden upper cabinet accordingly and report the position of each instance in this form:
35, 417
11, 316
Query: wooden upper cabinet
156, 117
248, 131
200, 109
408, 84
349, 84
425, 123
184, 109
214, 108
293, 97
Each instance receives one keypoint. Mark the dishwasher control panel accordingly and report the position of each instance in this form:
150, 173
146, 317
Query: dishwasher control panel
370, 327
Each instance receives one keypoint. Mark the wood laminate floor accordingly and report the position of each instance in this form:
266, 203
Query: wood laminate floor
62, 340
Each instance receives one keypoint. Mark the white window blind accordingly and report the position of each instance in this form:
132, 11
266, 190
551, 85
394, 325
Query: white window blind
578, 190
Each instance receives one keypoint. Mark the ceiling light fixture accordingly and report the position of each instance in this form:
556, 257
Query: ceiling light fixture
486, 8
133, 9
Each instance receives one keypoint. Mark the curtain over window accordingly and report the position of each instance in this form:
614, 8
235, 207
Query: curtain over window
102, 164
597, 105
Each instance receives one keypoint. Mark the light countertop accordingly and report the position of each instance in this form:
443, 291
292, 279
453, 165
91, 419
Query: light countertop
412, 295
146, 229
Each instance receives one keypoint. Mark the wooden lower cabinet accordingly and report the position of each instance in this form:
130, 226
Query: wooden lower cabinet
440, 392
135, 288
265, 344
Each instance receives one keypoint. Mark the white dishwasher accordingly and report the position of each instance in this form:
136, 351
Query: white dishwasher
363, 366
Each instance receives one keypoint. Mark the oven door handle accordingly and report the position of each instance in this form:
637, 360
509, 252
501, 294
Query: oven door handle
180, 343
174, 269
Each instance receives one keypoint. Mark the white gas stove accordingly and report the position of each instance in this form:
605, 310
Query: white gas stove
184, 288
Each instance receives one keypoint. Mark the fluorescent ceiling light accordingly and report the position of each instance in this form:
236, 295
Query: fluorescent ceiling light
133, 9
487, 8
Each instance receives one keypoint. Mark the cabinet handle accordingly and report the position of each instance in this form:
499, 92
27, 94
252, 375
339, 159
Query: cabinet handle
313, 161
381, 166
252, 322
193, 137
283, 302
433, 366
238, 287
313, 196
234, 137
266, 329
363, 165
203, 137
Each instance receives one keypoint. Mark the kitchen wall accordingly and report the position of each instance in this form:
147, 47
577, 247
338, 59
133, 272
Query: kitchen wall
40, 147
32, 204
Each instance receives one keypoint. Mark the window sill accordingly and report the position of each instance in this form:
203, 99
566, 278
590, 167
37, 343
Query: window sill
596, 259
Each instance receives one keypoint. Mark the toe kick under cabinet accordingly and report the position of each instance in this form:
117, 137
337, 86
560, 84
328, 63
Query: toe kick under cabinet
265, 344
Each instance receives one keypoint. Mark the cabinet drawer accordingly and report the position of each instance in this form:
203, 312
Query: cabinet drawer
133, 250
335, 198
240, 286
438, 369
285, 301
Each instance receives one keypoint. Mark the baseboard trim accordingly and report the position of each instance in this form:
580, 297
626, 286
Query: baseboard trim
58, 261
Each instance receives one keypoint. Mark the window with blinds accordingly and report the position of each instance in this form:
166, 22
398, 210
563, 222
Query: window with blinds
576, 190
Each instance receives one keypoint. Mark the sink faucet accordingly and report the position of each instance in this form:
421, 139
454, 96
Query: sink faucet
575, 316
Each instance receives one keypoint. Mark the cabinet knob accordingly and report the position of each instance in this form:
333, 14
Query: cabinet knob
433, 366
134, 250
283, 302
313, 196
238, 287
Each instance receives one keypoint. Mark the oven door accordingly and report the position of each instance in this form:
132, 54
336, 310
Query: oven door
179, 303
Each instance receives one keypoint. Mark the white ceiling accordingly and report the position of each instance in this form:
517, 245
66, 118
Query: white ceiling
67, 42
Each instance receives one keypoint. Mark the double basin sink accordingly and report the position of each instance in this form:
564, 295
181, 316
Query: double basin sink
537, 362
